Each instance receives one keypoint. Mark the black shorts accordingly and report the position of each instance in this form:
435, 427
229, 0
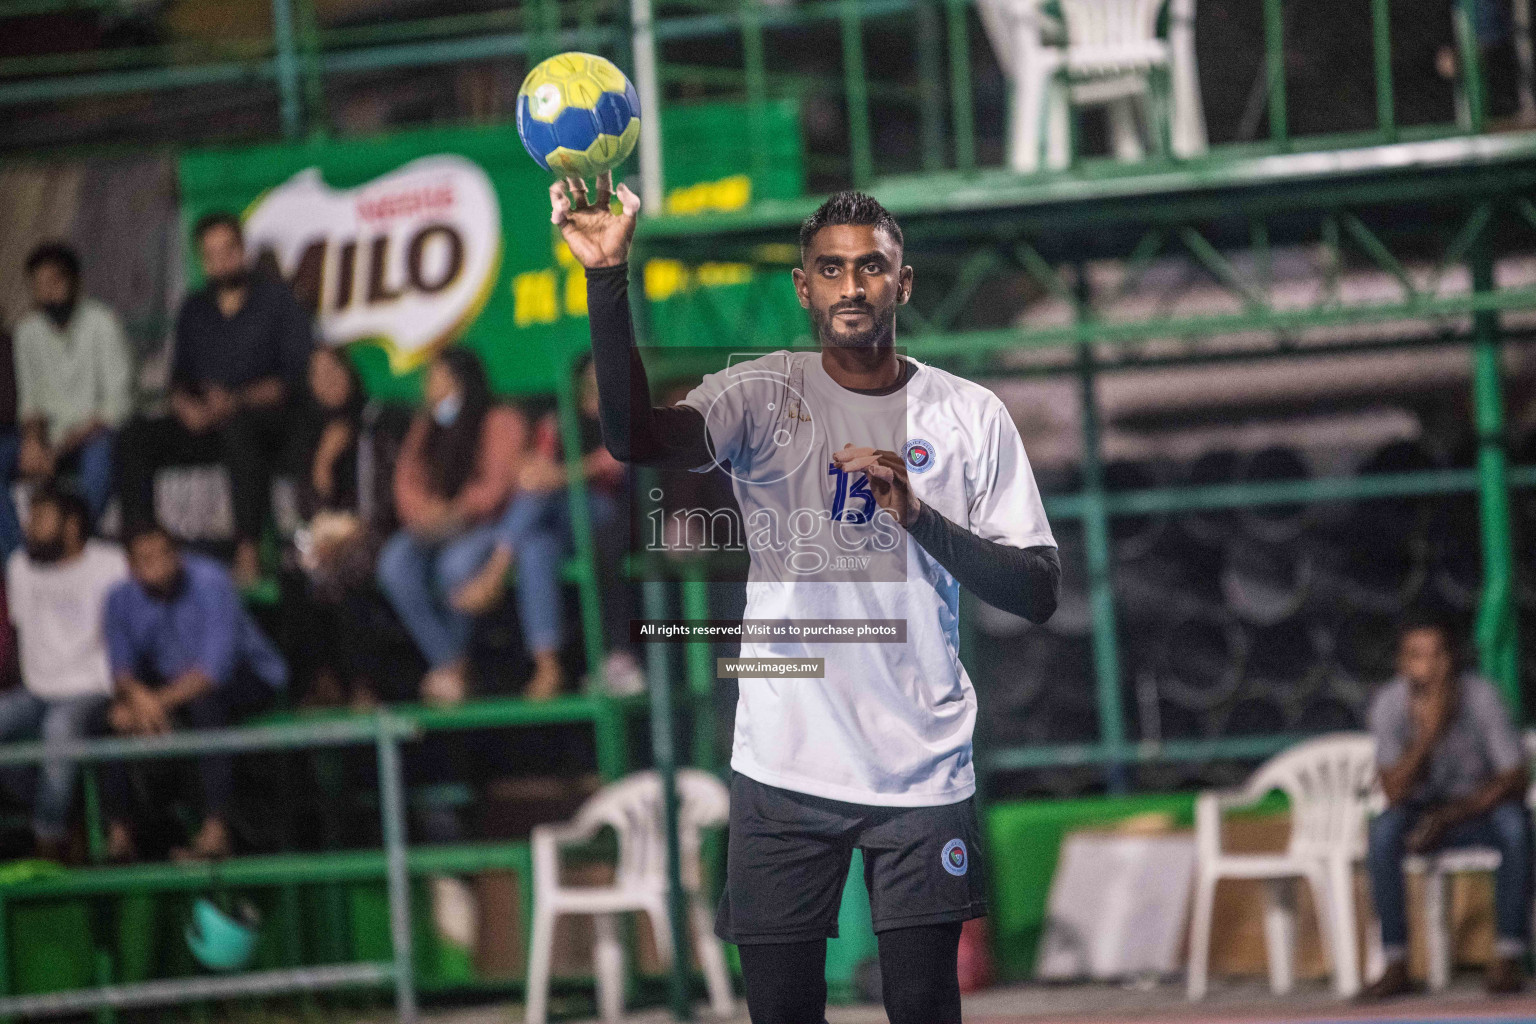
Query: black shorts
788, 861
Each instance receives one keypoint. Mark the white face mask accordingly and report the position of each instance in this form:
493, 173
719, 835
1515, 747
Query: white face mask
447, 410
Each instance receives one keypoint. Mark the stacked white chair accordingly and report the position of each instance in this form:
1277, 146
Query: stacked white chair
632, 807
1329, 781
1100, 53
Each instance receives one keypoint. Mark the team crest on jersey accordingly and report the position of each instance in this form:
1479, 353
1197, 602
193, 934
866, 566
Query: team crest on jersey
919, 456
954, 857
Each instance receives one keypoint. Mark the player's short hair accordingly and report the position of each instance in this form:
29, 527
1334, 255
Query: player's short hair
58, 255
69, 503
849, 207
218, 219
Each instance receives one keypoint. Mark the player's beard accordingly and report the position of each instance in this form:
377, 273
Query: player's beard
881, 332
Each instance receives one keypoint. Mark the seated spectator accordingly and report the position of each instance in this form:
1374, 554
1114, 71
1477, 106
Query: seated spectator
73, 379
240, 357
333, 604
1454, 774
57, 587
184, 652
454, 476
327, 431
535, 537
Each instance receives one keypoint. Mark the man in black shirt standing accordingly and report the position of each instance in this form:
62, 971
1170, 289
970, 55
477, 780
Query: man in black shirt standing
241, 354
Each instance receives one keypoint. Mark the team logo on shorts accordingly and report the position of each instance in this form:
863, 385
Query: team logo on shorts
954, 857
919, 455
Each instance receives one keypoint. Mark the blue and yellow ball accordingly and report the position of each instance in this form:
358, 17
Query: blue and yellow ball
578, 115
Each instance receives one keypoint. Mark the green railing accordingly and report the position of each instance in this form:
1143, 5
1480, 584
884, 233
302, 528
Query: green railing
383, 731
395, 863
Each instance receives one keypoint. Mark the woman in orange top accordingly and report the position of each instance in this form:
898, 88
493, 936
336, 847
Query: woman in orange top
456, 472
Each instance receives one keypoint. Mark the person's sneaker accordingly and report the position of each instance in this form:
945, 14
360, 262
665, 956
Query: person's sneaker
622, 675
1505, 977
1394, 982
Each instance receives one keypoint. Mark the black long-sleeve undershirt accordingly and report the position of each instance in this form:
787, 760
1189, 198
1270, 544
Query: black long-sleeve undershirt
670, 437
1023, 581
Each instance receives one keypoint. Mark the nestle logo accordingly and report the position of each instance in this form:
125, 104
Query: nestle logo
410, 203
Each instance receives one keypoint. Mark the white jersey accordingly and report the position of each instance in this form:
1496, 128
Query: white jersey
890, 723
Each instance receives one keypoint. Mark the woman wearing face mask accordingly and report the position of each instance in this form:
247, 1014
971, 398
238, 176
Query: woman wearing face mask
456, 471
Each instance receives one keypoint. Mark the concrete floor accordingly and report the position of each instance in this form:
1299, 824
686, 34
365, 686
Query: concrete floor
1112, 1004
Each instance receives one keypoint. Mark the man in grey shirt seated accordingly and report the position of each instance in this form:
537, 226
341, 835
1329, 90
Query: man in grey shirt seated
1454, 774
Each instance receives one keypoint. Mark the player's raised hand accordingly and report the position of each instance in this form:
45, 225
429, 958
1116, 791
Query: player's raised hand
887, 475
598, 237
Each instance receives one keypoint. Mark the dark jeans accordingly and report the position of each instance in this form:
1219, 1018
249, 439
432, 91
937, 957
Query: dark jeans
216, 709
23, 716
537, 527
1506, 828
91, 464
251, 446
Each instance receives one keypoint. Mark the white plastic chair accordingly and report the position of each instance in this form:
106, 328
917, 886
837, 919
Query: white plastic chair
1437, 869
1102, 53
632, 807
1329, 781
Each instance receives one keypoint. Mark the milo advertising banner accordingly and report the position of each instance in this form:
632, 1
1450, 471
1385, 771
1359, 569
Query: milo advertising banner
405, 243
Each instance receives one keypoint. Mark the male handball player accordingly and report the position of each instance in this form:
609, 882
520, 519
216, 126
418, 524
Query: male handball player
852, 448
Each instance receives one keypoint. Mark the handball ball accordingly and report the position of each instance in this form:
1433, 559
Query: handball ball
578, 115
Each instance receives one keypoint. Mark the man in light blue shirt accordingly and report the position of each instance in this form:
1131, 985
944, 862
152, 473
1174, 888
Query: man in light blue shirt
184, 652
